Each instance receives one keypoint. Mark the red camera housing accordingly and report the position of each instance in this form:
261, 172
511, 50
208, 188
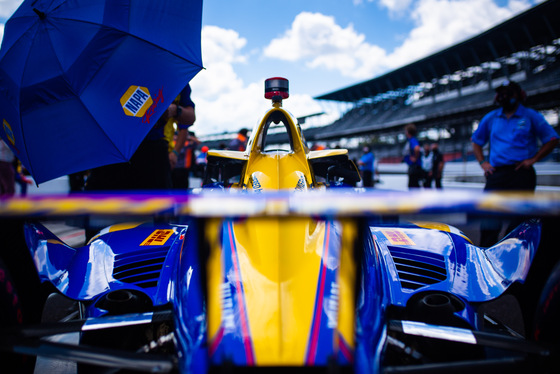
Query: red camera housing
276, 87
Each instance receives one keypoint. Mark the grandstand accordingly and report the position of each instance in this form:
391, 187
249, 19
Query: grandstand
447, 93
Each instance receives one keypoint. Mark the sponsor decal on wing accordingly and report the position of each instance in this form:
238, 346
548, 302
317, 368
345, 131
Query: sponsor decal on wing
158, 237
397, 237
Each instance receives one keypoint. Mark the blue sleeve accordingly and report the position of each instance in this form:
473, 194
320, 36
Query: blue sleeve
185, 101
185, 97
482, 133
543, 130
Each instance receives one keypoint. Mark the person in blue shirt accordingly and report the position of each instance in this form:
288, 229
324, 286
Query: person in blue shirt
513, 133
366, 164
412, 156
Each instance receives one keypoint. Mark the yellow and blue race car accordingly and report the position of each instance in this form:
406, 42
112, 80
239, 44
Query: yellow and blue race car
273, 266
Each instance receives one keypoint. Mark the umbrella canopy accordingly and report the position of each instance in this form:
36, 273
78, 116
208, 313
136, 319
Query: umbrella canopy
83, 81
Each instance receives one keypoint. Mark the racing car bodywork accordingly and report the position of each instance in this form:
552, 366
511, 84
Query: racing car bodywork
358, 293
285, 293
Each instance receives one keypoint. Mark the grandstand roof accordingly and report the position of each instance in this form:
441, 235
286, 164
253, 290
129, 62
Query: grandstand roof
537, 26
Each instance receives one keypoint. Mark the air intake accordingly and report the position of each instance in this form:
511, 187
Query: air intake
418, 268
141, 268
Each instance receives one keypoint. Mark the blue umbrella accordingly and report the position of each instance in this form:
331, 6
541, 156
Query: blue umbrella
83, 81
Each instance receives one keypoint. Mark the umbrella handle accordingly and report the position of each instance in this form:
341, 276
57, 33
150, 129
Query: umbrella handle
41, 15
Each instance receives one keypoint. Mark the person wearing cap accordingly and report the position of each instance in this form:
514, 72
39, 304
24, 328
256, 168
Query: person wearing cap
201, 162
366, 164
513, 132
239, 142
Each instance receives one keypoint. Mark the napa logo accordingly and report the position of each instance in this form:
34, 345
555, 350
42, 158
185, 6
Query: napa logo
9, 132
136, 101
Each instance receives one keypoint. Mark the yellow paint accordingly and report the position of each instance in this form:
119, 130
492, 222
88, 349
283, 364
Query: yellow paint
274, 171
80, 205
327, 153
347, 282
9, 132
124, 226
501, 201
280, 260
441, 227
433, 225
214, 276
158, 237
277, 170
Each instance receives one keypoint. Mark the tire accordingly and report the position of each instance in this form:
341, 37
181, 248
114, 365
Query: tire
21, 295
547, 321
16, 257
11, 314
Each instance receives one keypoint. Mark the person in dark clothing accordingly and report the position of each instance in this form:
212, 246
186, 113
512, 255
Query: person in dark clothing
412, 156
427, 166
513, 132
240, 141
438, 163
77, 181
150, 166
185, 163
366, 165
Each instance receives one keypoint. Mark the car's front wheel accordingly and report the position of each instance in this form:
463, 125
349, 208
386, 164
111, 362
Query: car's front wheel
11, 314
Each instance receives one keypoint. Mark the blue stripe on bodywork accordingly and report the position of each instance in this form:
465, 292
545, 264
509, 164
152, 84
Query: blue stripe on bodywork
321, 343
236, 345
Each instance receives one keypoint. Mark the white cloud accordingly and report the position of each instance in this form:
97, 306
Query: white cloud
442, 23
221, 48
237, 107
228, 111
217, 90
8, 7
395, 6
321, 42
224, 102
222, 45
